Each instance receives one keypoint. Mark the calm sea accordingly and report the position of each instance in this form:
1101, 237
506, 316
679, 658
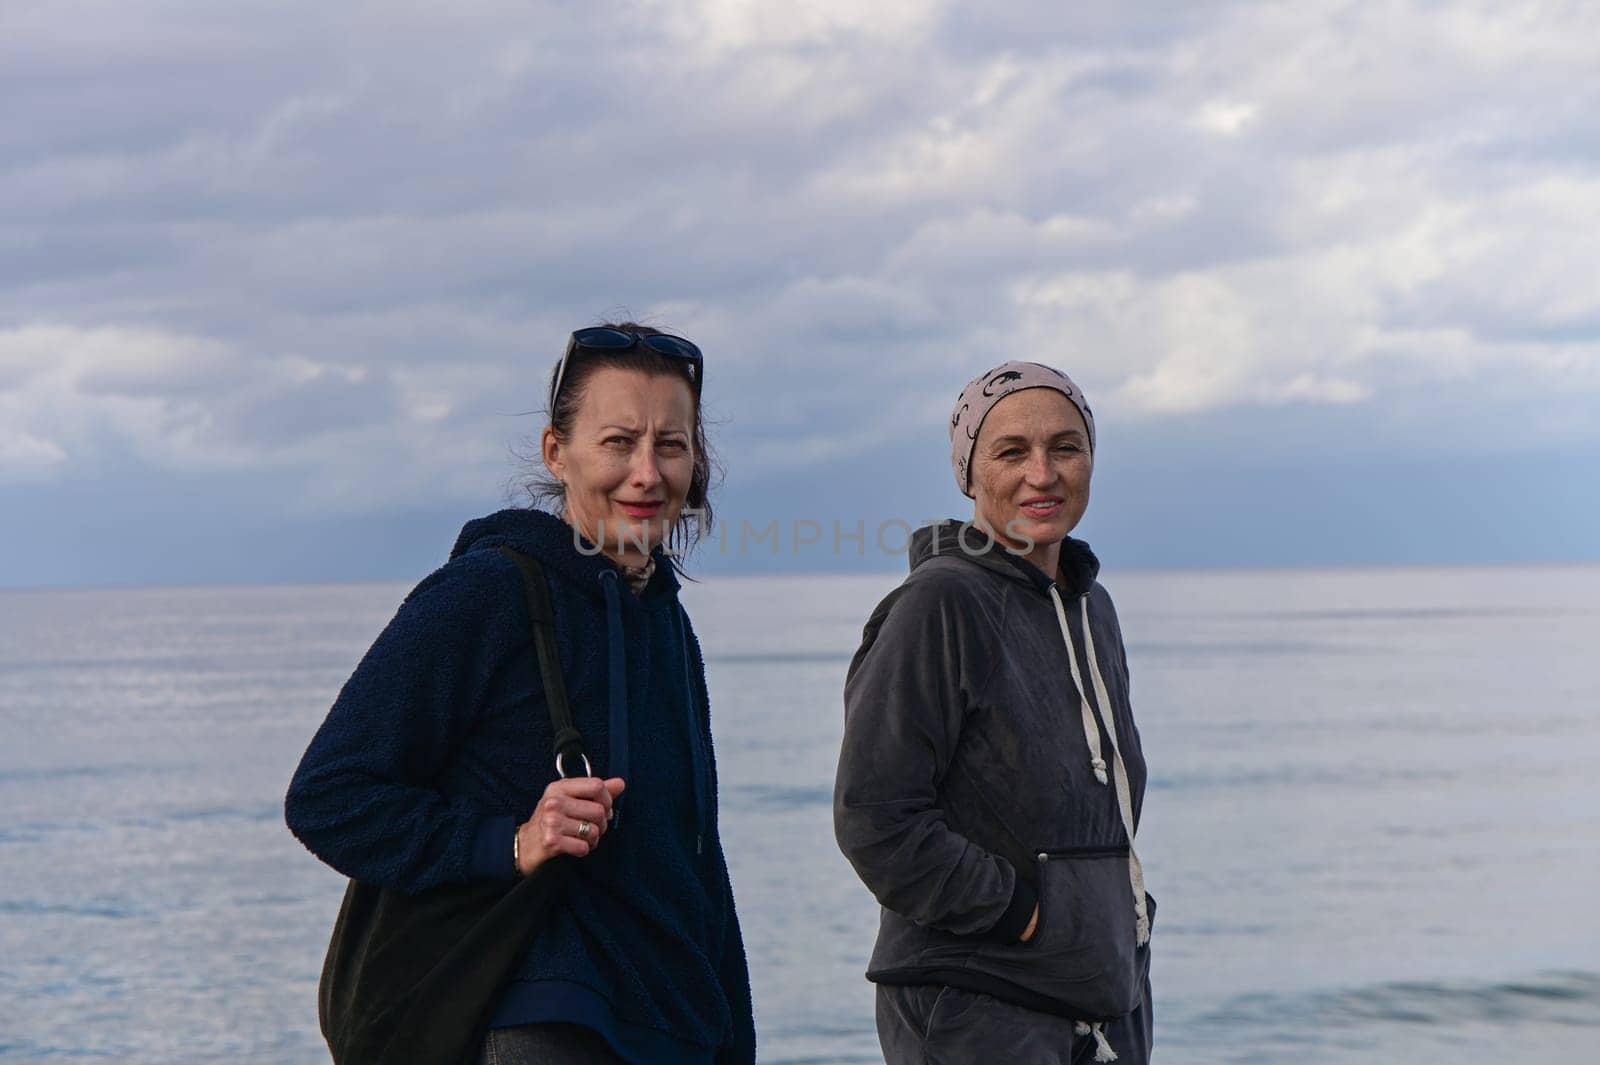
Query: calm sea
1373, 822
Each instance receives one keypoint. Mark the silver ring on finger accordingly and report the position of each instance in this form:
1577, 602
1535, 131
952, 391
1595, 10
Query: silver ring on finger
585, 829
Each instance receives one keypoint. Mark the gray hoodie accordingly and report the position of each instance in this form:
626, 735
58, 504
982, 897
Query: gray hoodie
979, 778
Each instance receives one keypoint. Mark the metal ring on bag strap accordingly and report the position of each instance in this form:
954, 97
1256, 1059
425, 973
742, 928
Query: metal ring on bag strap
562, 773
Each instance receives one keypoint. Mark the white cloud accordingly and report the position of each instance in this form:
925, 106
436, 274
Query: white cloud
1226, 117
1309, 387
363, 244
25, 457
91, 399
724, 29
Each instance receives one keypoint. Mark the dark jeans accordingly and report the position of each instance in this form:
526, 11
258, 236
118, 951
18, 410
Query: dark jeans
546, 1044
927, 1025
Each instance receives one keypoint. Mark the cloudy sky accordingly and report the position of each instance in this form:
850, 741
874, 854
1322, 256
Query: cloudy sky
280, 282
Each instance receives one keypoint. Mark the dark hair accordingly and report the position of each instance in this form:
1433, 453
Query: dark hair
545, 489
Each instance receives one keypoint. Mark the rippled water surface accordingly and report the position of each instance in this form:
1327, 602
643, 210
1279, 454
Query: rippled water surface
1373, 821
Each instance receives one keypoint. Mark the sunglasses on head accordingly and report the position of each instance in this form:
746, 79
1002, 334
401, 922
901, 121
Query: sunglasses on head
603, 338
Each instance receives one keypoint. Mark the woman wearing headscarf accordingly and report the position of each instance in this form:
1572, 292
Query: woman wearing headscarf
991, 777
433, 766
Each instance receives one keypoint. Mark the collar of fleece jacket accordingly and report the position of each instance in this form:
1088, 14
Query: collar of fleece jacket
1079, 566
552, 541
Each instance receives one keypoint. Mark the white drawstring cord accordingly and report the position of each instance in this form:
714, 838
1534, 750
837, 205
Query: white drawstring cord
1092, 735
1124, 796
1102, 1045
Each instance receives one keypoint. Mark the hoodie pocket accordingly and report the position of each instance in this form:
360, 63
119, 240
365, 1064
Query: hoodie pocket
1082, 960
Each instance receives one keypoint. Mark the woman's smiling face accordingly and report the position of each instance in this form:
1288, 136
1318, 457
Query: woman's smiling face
1030, 472
628, 461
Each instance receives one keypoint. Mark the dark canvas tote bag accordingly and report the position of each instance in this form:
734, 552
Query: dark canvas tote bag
412, 978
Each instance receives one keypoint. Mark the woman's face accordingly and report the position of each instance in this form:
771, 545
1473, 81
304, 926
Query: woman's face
628, 461
1030, 471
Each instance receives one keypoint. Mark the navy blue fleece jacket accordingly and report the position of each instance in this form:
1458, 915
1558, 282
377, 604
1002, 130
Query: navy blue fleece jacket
440, 745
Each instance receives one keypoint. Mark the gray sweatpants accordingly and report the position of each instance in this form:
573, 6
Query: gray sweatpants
928, 1025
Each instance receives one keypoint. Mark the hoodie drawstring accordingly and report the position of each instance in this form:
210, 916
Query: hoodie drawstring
1124, 795
1092, 734
701, 767
617, 702
1102, 1045
616, 681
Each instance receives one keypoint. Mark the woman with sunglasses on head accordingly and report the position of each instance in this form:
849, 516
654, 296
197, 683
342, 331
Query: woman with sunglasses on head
434, 765
991, 778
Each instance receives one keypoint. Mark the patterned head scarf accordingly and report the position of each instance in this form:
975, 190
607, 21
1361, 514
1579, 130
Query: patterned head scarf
989, 388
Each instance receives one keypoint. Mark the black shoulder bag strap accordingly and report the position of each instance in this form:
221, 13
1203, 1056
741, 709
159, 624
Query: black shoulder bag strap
568, 746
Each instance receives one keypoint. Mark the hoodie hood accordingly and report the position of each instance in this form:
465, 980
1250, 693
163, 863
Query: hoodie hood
553, 542
961, 539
